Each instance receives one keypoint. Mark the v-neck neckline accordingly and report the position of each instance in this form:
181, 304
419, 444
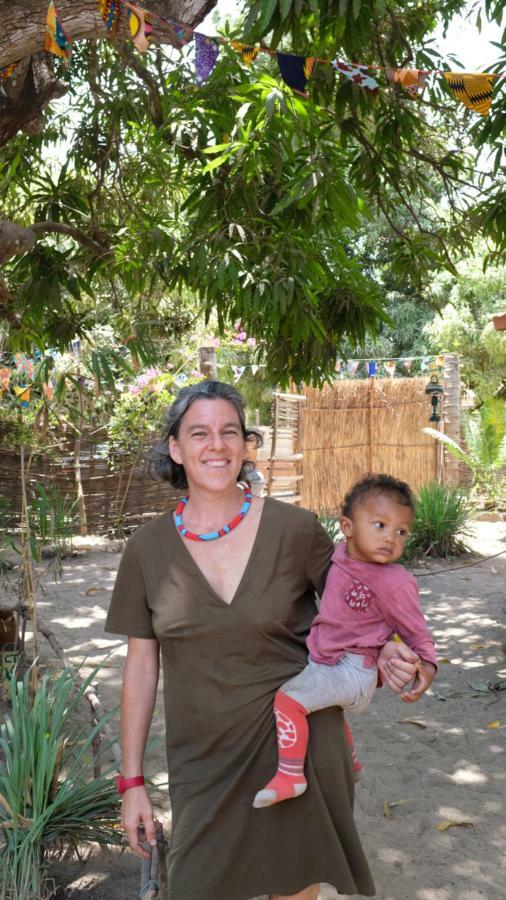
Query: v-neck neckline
199, 571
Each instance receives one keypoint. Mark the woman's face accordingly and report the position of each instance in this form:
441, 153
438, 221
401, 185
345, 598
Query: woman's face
210, 445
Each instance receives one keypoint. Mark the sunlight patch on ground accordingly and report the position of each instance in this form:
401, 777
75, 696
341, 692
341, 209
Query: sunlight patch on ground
469, 774
392, 855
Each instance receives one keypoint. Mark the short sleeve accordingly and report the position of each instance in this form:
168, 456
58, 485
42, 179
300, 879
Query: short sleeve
129, 612
318, 558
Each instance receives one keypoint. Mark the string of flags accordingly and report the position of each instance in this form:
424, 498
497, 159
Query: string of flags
473, 89
372, 367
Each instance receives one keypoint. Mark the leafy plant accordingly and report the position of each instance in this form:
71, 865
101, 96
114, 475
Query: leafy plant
485, 434
53, 517
331, 525
49, 792
440, 524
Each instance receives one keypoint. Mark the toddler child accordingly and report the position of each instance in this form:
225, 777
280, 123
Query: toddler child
367, 598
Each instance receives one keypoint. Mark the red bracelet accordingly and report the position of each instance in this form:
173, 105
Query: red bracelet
122, 784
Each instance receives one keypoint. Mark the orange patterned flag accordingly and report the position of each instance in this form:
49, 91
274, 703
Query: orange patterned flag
412, 80
474, 90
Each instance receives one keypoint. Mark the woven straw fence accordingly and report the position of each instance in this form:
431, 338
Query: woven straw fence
114, 498
356, 427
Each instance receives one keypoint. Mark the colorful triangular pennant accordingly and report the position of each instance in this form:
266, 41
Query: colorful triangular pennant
247, 51
412, 80
358, 74
390, 367
474, 90
55, 40
295, 71
140, 26
352, 366
372, 368
109, 10
206, 56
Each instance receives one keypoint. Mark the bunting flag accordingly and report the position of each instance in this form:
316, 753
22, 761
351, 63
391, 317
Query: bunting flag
441, 361
56, 40
206, 56
109, 10
352, 366
424, 365
473, 90
358, 74
295, 71
8, 71
5, 377
407, 363
338, 366
140, 27
23, 394
412, 80
390, 367
238, 372
372, 368
248, 52
75, 346
254, 369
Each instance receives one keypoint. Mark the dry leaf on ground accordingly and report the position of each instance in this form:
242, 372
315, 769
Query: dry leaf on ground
453, 823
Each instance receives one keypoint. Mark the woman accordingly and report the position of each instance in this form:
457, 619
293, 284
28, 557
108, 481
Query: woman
230, 605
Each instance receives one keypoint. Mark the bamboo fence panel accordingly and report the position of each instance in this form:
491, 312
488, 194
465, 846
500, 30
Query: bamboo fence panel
355, 427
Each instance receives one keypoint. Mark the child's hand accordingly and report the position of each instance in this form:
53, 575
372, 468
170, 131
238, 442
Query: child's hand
423, 680
398, 665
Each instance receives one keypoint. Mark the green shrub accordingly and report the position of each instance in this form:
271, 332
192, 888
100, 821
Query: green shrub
331, 525
440, 524
49, 793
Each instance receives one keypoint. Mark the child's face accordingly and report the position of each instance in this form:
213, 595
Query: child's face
377, 529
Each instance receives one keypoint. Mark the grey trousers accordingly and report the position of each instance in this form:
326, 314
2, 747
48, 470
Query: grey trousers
347, 684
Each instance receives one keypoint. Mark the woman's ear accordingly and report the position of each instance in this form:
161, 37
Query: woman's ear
346, 526
174, 450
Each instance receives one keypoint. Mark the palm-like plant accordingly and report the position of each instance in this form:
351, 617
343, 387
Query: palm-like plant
49, 794
485, 435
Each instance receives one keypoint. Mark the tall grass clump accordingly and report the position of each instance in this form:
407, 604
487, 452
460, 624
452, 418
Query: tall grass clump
441, 522
49, 795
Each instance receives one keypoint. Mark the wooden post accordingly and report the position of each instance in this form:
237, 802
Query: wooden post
369, 425
274, 438
81, 504
452, 419
207, 363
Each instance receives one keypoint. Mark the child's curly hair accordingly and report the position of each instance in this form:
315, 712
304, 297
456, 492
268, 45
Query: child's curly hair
372, 485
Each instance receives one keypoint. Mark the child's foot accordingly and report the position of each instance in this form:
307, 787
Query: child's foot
281, 787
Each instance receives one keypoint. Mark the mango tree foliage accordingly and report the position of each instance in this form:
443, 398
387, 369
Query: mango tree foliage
240, 194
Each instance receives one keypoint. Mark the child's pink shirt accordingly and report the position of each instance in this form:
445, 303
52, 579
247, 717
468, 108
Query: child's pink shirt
362, 605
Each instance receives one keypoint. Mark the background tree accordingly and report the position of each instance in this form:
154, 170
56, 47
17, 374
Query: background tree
239, 191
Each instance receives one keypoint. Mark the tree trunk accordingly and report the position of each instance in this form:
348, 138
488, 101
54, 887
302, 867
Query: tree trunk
33, 84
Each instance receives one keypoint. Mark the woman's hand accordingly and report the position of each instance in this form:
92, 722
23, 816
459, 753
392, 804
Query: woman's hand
399, 666
138, 821
423, 679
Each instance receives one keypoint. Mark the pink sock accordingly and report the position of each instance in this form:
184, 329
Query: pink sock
293, 734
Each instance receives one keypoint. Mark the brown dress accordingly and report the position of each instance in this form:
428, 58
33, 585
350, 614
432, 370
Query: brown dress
222, 666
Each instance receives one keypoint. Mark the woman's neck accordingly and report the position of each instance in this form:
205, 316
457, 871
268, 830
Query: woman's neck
208, 509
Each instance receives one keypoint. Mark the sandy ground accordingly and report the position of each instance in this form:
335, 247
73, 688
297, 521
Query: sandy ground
440, 760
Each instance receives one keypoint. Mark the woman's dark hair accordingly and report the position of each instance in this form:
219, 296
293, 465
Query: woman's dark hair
373, 485
161, 466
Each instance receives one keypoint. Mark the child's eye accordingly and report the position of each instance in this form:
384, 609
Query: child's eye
379, 525
402, 532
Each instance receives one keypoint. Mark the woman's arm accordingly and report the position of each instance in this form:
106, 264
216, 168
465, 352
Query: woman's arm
399, 665
138, 695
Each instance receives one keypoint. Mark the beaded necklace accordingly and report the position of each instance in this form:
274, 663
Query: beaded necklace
211, 535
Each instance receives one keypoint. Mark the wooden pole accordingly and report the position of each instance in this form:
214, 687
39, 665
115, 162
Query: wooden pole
207, 363
369, 425
274, 438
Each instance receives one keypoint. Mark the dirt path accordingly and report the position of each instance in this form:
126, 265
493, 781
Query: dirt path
447, 765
